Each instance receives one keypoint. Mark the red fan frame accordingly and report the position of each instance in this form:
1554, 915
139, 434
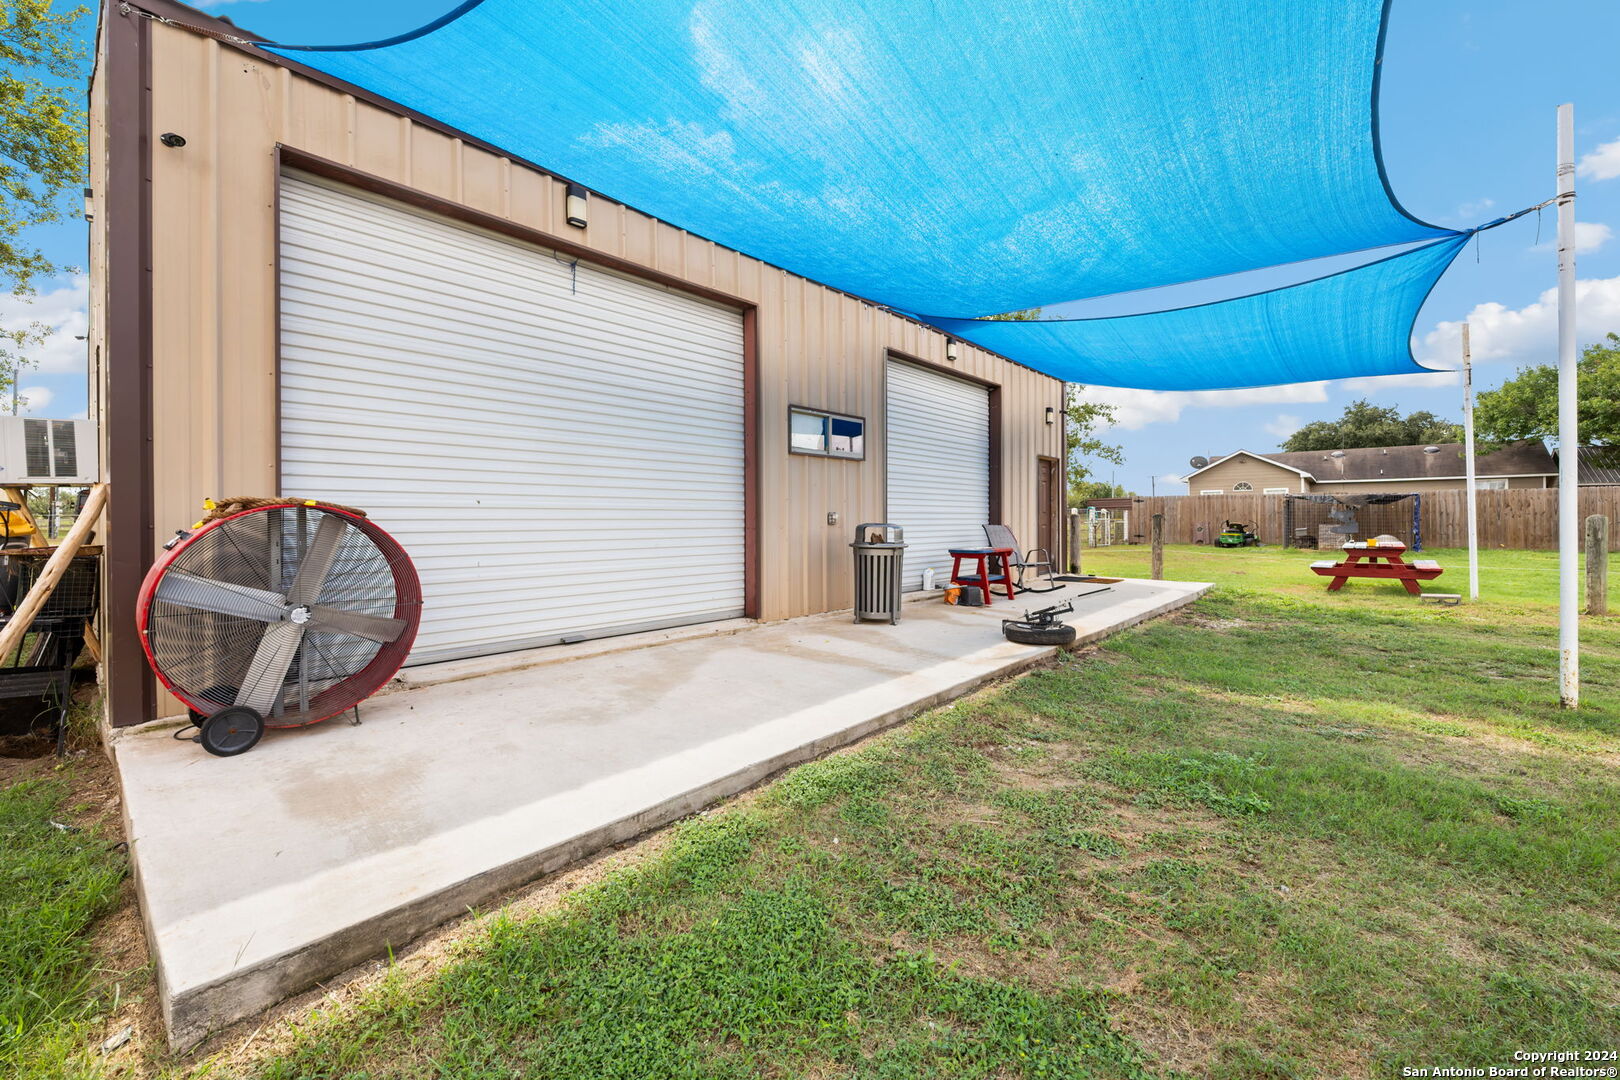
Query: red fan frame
350, 691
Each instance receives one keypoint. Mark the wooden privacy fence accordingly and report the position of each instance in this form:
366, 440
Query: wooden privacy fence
1525, 519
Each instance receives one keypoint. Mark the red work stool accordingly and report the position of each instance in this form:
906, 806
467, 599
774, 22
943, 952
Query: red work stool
984, 560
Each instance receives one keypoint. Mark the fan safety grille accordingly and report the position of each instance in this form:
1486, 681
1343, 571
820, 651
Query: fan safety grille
296, 611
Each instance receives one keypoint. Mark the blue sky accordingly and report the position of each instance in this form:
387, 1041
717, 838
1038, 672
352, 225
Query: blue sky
1469, 94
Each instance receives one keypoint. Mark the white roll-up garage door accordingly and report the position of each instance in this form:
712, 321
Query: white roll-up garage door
559, 447
938, 439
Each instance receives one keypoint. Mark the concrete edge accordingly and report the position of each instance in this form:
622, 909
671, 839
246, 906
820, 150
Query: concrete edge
1165, 608
193, 1016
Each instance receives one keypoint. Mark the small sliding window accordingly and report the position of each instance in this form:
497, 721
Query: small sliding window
826, 434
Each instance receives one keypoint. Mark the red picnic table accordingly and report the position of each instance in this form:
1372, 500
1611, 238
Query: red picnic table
1378, 562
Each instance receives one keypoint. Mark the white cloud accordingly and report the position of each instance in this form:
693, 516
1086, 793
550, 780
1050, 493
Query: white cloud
1589, 237
36, 399
1138, 408
1283, 425
1602, 163
1134, 409
1422, 379
1527, 335
1469, 211
64, 311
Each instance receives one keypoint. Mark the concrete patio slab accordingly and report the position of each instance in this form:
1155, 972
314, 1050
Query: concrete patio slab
261, 874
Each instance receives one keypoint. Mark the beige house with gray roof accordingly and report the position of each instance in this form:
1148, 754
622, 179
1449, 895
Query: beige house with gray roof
1373, 469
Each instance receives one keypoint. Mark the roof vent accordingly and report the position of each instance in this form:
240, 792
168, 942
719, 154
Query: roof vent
1431, 449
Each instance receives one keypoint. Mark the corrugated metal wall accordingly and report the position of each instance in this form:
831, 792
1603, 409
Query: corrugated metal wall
215, 319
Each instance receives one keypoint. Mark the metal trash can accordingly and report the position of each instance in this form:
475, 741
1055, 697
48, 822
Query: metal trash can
879, 559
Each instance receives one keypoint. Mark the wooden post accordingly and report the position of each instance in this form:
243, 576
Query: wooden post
1074, 539
55, 567
1597, 565
1158, 547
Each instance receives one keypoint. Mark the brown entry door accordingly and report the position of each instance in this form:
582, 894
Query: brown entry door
1046, 503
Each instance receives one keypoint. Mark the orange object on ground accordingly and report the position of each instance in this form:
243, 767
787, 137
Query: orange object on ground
1375, 562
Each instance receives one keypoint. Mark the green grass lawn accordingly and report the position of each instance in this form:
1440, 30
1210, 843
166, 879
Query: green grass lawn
1281, 834
56, 880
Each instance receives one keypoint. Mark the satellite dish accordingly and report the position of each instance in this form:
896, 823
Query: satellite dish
1199, 461
1337, 453
1431, 449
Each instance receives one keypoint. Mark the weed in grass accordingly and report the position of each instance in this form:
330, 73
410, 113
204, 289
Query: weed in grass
1221, 781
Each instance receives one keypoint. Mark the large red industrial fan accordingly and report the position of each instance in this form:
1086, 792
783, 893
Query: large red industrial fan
277, 615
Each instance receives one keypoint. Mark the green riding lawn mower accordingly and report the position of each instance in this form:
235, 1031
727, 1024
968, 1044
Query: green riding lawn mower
1237, 534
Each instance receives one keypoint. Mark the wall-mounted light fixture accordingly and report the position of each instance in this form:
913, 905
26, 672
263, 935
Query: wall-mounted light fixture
575, 209
171, 140
89, 205
1051, 416
950, 350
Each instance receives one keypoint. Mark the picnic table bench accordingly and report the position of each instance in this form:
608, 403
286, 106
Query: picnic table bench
1378, 562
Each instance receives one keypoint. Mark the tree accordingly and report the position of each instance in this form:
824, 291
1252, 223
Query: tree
1084, 418
1526, 406
42, 146
1097, 489
1366, 424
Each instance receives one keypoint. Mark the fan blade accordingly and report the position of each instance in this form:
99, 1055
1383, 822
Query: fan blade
306, 586
371, 627
221, 597
261, 686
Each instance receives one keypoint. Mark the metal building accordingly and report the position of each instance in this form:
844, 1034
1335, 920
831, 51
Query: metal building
299, 288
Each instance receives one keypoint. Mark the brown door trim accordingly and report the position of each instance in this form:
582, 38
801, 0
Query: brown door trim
751, 455
290, 157
126, 401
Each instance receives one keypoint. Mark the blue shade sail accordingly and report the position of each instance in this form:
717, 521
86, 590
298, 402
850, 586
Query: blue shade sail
955, 157
1354, 323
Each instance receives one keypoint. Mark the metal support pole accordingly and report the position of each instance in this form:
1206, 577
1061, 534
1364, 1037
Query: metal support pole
1569, 582
1468, 456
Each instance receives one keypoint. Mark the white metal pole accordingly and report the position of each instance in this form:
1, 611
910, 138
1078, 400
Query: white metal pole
1468, 457
1569, 582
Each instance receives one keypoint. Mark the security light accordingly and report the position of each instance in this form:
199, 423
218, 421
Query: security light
1051, 416
576, 206
950, 350
171, 140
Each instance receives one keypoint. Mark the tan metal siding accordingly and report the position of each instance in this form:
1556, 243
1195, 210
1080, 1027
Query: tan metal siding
214, 317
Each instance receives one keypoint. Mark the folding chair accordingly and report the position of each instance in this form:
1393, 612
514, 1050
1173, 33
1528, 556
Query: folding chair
1002, 537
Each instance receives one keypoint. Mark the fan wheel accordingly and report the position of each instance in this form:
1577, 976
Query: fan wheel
231, 731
